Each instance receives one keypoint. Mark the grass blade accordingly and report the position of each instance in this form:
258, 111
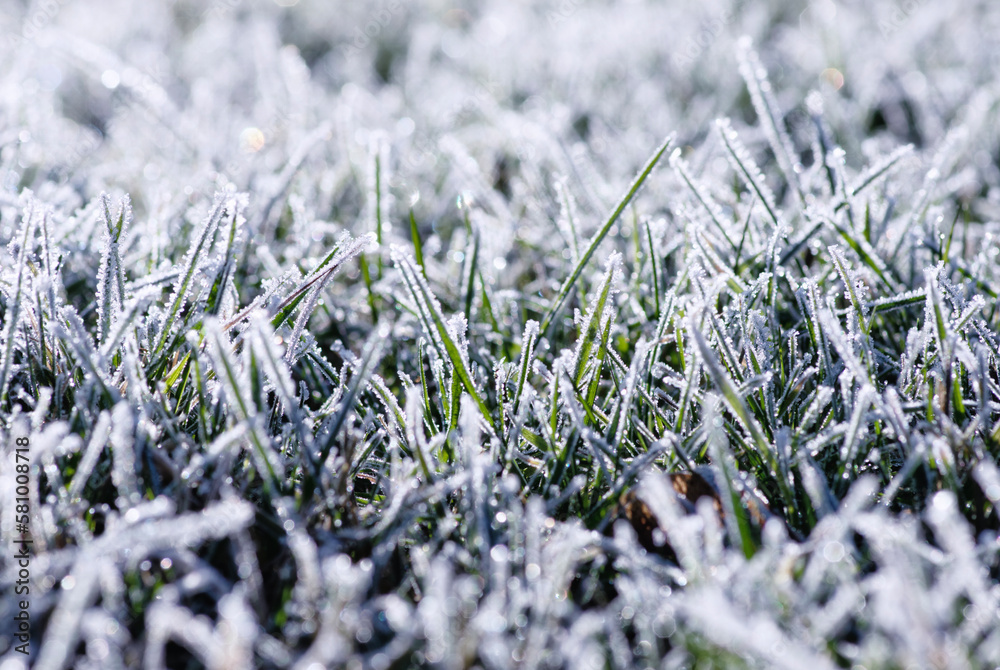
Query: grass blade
595, 242
434, 325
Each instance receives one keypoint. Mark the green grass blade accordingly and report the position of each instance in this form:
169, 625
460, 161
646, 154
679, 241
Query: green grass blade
571, 280
744, 165
433, 322
595, 320
195, 256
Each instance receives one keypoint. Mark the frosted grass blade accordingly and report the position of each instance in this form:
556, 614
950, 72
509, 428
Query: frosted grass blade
13, 314
195, 258
769, 115
595, 242
434, 325
596, 318
747, 169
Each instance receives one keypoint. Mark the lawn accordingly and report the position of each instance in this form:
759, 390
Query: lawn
542, 334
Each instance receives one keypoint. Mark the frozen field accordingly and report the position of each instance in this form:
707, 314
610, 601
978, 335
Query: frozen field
501, 334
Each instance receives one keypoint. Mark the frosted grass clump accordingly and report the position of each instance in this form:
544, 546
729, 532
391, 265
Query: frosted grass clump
387, 336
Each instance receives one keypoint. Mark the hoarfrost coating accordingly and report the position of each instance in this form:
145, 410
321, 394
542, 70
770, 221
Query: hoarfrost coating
490, 334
